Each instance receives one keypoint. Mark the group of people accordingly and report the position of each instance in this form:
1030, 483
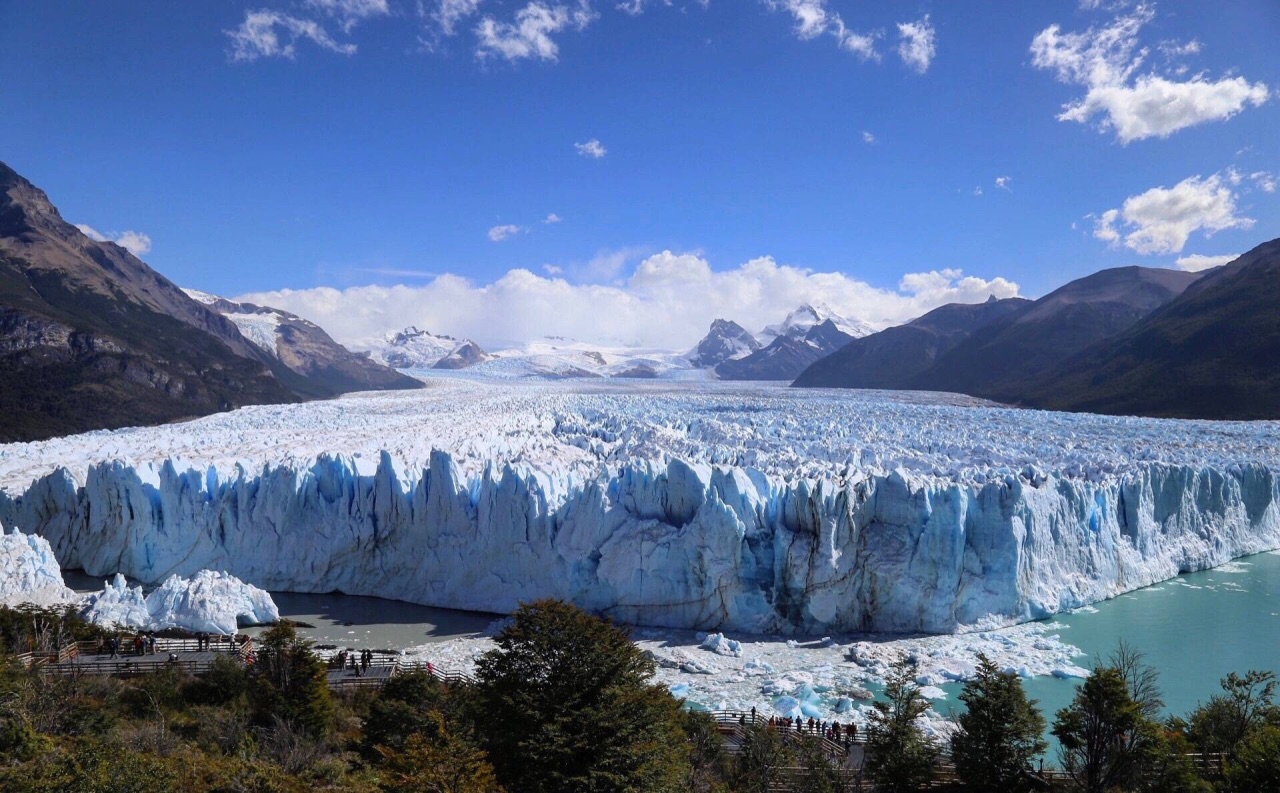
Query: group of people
142, 644
832, 731
204, 640
359, 664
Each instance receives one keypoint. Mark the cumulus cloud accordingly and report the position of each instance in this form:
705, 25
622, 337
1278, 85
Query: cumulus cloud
1162, 219
529, 34
268, 34
593, 149
668, 300
134, 242
552, 218
1197, 262
917, 44
1003, 182
814, 19
500, 233
1133, 102
867, 137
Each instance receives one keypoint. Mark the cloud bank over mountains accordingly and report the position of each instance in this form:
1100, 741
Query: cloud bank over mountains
667, 301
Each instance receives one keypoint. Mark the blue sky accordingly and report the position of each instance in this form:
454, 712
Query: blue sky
356, 145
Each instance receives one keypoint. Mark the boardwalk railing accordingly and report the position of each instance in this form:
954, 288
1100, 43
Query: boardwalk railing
731, 720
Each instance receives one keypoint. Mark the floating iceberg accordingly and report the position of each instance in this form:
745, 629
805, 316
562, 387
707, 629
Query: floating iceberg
723, 508
209, 601
29, 573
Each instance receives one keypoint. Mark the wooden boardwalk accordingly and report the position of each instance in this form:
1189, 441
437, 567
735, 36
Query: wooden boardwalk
193, 661
373, 677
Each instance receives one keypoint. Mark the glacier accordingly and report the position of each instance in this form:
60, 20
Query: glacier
725, 507
29, 572
210, 601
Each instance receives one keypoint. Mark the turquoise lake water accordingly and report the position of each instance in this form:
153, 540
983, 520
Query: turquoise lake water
1193, 629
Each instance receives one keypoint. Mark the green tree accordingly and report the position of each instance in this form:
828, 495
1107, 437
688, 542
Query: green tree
569, 708
1165, 762
409, 704
900, 756
1246, 704
999, 733
708, 762
439, 763
1255, 768
818, 773
1096, 731
762, 760
290, 682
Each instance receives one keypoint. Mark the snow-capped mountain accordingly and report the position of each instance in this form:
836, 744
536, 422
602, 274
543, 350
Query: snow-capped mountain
413, 348
803, 319
559, 358
304, 348
811, 332
726, 341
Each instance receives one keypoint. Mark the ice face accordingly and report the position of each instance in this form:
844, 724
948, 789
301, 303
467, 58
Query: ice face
29, 572
742, 508
209, 601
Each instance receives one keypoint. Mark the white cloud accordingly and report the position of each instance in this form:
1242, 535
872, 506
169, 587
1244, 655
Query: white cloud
917, 44
1264, 181
267, 34
1003, 182
977, 191
500, 233
552, 218
350, 13
1162, 219
134, 242
637, 7
592, 148
1107, 62
813, 19
667, 301
529, 35
447, 14
1197, 262
867, 137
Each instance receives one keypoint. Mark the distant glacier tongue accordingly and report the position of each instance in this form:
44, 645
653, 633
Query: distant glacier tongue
724, 539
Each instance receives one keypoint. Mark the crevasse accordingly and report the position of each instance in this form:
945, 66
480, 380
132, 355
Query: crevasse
677, 545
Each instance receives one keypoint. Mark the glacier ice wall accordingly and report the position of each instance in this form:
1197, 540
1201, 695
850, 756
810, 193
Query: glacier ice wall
29, 572
687, 545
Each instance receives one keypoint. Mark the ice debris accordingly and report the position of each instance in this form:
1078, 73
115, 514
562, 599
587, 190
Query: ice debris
209, 601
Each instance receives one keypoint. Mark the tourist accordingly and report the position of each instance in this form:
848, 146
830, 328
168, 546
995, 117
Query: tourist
151, 643
431, 669
366, 658
138, 644
753, 714
115, 646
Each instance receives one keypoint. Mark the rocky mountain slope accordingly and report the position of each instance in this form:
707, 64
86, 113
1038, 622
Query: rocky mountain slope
999, 359
1212, 352
91, 337
997, 350
895, 357
306, 348
725, 341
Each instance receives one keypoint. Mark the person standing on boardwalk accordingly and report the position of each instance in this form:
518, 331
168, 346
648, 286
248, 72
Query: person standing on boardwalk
115, 646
